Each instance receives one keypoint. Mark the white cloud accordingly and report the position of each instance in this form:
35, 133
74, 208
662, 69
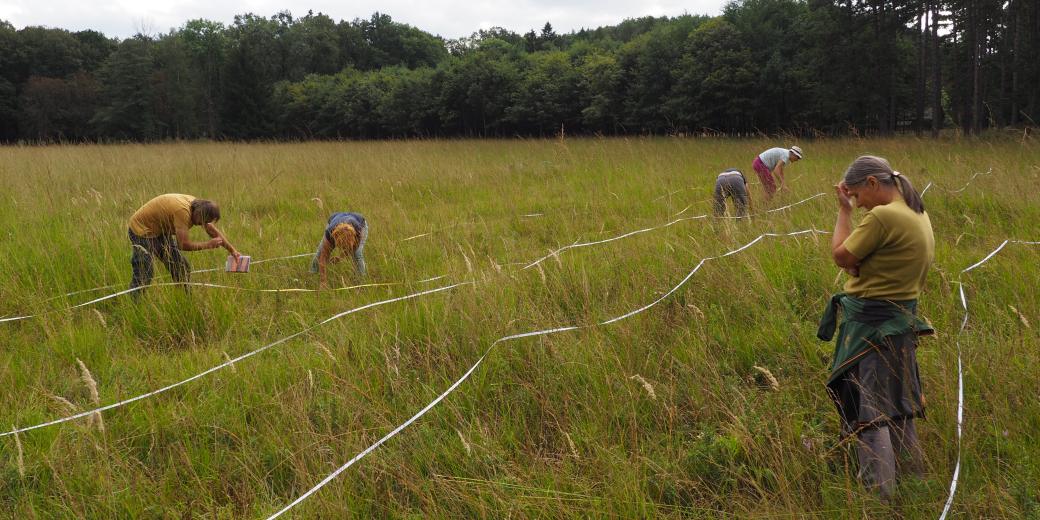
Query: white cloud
448, 18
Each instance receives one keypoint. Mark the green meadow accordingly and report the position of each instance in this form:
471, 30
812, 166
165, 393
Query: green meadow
709, 404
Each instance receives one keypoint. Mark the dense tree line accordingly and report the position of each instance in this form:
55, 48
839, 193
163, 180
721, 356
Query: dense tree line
800, 66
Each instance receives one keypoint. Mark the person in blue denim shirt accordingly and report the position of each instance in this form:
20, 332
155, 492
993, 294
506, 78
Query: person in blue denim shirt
346, 232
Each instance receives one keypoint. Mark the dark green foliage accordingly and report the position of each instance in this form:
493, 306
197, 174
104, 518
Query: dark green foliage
805, 67
127, 91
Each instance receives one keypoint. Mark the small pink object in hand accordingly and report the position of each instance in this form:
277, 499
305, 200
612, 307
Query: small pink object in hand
237, 266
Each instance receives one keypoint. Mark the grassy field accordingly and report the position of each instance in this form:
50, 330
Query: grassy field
660, 415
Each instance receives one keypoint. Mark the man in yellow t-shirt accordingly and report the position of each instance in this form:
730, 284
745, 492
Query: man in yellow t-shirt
160, 228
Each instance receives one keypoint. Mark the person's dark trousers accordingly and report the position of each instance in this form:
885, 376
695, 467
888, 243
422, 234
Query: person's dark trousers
731, 186
880, 450
164, 248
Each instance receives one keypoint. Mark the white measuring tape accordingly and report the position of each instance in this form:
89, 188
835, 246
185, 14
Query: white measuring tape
159, 277
960, 371
532, 264
976, 174
229, 362
203, 284
545, 332
556, 252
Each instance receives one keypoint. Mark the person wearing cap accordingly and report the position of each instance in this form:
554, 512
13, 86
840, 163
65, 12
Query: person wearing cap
159, 229
874, 380
346, 232
769, 165
732, 184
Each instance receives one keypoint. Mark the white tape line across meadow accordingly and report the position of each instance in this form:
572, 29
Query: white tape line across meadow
532, 264
960, 369
230, 361
545, 332
95, 289
962, 188
556, 252
198, 284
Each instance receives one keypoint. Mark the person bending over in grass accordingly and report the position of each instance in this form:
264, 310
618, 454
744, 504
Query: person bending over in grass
346, 232
874, 378
160, 229
769, 165
732, 184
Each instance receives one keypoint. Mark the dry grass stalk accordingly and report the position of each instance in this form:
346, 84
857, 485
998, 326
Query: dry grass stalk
469, 265
91, 384
19, 457
227, 359
570, 442
1020, 316
773, 383
646, 386
72, 408
469, 449
696, 310
101, 318
325, 350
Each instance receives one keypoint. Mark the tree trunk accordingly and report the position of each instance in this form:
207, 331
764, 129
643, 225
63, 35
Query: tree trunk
1015, 61
1035, 37
919, 93
976, 65
937, 111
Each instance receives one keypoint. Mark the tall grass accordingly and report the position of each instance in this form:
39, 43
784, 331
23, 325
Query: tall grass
557, 426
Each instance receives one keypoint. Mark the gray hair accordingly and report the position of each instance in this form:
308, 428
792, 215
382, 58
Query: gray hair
870, 166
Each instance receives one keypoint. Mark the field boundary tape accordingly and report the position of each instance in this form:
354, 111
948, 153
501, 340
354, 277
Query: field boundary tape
576, 245
206, 285
960, 369
532, 264
229, 362
503, 339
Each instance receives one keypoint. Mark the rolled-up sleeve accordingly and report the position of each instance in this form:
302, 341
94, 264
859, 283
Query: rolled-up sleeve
866, 237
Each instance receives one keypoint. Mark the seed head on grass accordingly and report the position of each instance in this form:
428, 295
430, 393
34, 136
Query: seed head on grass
774, 385
646, 386
469, 449
227, 359
72, 408
1021, 317
91, 384
18, 449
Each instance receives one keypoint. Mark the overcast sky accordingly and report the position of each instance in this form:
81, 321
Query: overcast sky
448, 18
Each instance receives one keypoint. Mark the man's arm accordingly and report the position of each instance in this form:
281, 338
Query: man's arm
212, 231
185, 244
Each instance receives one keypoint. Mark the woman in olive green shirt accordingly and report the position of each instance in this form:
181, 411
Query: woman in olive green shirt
875, 384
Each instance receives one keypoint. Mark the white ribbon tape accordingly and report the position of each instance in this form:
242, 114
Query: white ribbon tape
229, 362
960, 371
545, 332
556, 252
201, 284
160, 277
976, 174
971, 179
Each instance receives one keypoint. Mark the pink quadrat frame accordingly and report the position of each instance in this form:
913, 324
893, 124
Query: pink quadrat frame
239, 266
